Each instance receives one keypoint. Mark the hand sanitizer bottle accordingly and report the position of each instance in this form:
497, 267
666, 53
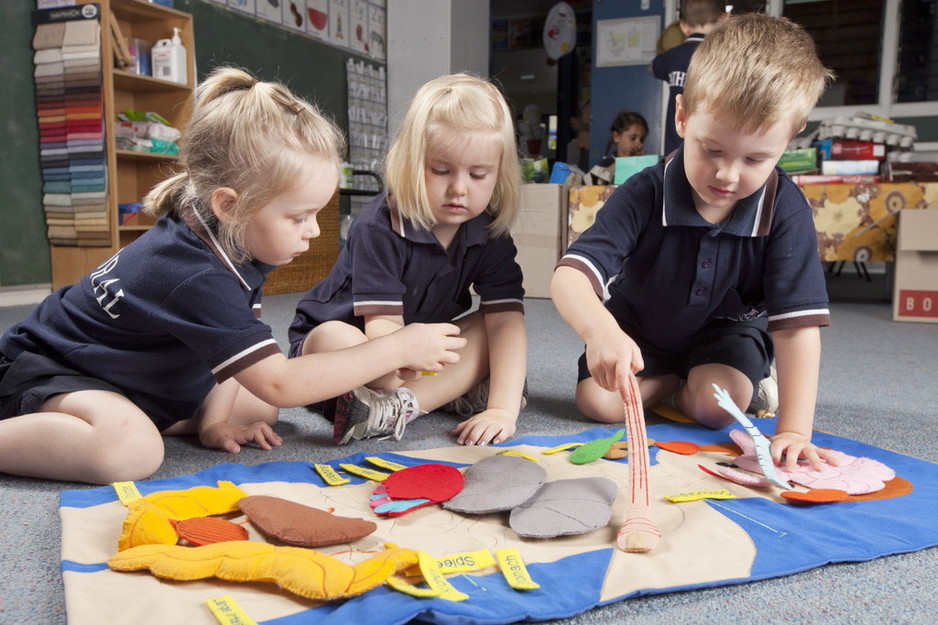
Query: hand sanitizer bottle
169, 59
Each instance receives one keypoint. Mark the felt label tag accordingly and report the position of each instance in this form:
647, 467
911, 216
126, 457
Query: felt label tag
512, 452
228, 612
434, 576
696, 495
466, 561
559, 448
437, 585
127, 492
385, 464
327, 473
368, 474
514, 570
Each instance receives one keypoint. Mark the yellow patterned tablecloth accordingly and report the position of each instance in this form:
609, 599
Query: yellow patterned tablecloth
853, 222
858, 222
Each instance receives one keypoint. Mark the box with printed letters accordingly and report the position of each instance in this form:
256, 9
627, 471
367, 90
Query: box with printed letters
916, 284
539, 234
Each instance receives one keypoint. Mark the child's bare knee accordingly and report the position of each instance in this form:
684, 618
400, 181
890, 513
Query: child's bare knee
137, 456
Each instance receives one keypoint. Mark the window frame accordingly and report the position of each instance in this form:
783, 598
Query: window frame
885, 105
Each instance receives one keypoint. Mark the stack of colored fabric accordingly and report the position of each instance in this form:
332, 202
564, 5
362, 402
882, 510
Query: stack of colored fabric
70, 108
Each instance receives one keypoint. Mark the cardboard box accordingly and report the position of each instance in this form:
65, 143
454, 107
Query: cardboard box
802, 159
851, 150
916, 289
539, 235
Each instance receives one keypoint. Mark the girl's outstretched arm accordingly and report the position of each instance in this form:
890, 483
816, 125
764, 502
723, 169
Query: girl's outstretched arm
292, 382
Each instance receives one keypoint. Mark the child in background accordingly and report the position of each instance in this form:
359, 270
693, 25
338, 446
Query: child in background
712, 250
164, 337
627, 134
453, 181
697, 18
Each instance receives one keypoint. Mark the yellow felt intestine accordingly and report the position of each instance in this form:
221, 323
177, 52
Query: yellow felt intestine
148, 520
304, 572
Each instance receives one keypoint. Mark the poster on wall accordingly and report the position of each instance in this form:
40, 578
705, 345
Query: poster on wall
377, 31
358, 25
269, 10
626, 41
317, 18
245, 6
294, 14
339, 22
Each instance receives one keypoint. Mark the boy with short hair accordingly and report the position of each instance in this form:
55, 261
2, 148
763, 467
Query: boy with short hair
697, 19
703, 256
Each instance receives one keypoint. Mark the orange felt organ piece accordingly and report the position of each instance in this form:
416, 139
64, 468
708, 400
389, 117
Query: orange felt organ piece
685, 448
817, 495
208, 530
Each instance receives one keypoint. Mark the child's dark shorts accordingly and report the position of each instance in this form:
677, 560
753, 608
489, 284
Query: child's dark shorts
29, 380
742, 345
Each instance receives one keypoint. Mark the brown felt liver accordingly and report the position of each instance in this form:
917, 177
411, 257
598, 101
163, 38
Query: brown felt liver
303, 526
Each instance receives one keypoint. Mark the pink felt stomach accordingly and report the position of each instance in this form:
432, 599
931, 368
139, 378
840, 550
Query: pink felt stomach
855, 475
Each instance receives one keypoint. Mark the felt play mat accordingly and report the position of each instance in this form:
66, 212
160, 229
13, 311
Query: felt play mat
706, 542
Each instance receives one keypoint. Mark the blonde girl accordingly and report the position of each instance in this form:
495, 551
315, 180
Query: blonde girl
164, 337
440, 229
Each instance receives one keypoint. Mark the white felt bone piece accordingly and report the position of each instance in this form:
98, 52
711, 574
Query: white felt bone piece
855, 475
639, 533
761, 445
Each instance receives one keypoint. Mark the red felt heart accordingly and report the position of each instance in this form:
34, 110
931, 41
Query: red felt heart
436, 482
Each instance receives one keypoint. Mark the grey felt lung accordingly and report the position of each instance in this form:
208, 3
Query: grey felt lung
496, 484
565, 507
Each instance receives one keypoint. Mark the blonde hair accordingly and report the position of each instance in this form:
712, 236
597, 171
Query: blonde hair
253, 137
441, 111
756, 70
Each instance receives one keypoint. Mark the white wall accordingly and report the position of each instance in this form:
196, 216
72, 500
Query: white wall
429, 38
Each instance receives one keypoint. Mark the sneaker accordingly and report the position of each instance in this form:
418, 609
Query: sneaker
765, 403
364, 413
476, 400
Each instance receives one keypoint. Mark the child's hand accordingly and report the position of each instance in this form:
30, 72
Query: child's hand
223, 435
612, 359
790, 446
430, 346
489, 426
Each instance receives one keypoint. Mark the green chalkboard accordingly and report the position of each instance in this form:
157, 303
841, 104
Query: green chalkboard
24, 249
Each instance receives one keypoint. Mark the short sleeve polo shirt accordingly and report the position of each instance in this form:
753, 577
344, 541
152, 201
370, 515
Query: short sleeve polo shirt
666, 272
164, 319
390, 266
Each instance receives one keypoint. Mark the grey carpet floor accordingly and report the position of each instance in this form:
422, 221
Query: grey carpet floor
878, 382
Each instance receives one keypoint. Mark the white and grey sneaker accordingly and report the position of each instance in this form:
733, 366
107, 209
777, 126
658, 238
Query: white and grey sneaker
765, 403
476, 400
364, 413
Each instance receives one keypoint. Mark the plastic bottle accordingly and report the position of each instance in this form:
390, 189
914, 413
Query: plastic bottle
169, 59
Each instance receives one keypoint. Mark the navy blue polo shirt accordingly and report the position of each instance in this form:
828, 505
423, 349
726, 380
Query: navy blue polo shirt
391, 266
670, 273
671, 67
164, 319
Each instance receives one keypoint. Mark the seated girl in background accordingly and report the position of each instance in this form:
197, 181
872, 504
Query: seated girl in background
164, 337
627, 134
453, 180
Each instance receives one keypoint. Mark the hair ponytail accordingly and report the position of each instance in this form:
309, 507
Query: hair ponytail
253, 137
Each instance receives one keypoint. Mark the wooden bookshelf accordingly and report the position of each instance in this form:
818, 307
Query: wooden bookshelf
130, 174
